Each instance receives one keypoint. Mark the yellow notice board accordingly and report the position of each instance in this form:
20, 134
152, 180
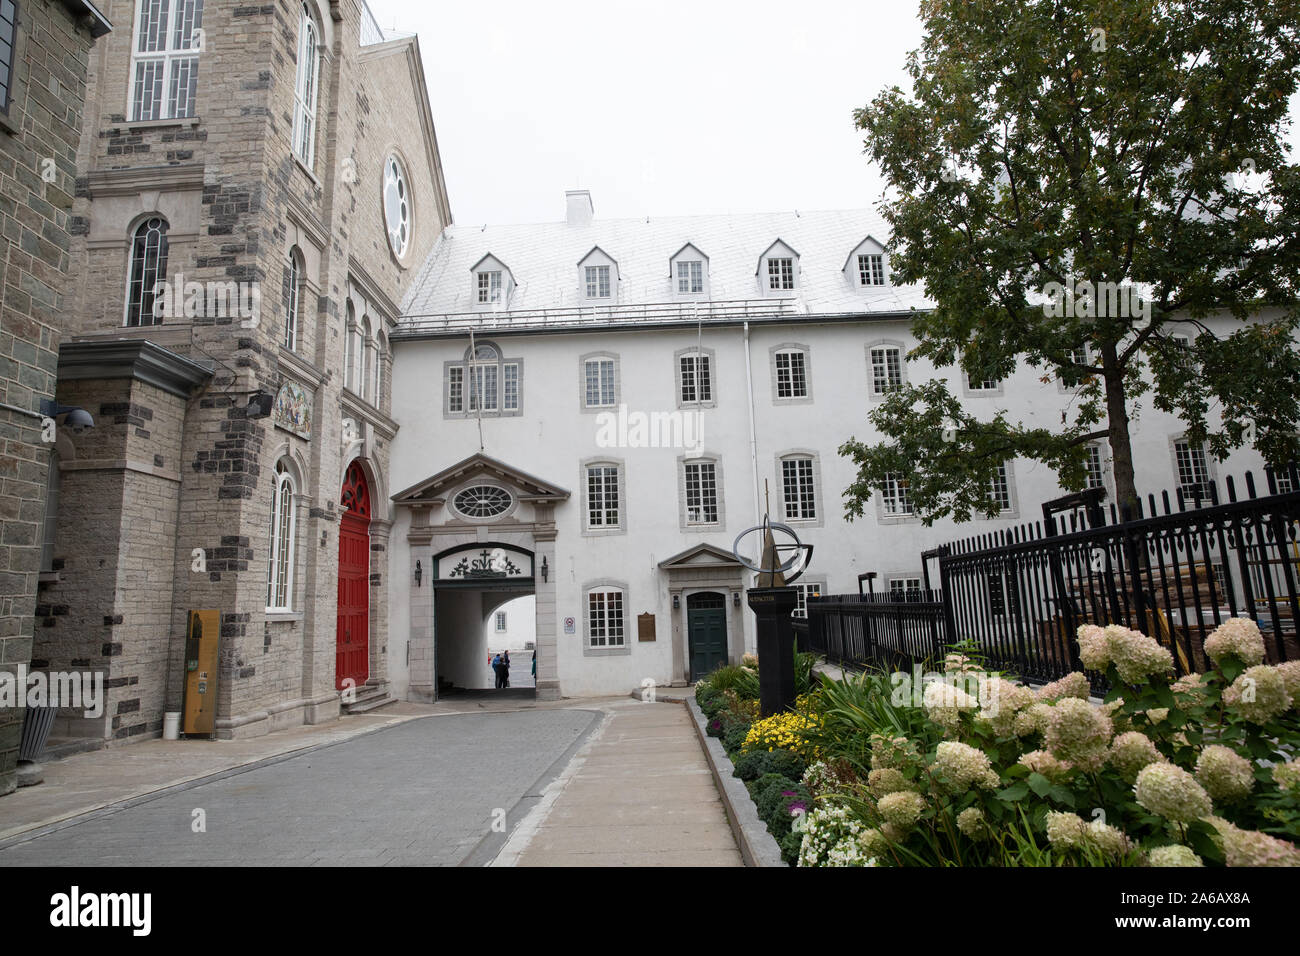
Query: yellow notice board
201, 640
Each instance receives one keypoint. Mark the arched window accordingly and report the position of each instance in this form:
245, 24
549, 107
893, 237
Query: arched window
293, 305
279, 573
380, 352
349, 350
484, 383
366, 358
148, 268
304, 114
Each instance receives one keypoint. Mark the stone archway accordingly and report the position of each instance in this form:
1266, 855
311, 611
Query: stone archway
498, 506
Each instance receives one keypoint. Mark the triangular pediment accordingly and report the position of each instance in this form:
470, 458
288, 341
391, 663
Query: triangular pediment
530, 488
701, 556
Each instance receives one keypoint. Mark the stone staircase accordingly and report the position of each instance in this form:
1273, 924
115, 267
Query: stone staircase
370, 697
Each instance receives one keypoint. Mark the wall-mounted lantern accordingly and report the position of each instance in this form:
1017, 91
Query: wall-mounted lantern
677, 602
419, 573
545, 570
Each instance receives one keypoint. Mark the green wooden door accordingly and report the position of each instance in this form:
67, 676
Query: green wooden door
706, 626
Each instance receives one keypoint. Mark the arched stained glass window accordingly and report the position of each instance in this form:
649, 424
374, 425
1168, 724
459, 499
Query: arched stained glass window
148, 268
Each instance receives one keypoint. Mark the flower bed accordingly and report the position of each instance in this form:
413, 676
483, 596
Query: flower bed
972, 769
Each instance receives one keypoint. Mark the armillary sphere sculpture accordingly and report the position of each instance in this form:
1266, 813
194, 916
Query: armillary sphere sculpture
772, 571
772, 601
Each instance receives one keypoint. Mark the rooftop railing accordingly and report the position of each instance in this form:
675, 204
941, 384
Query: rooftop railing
652, 313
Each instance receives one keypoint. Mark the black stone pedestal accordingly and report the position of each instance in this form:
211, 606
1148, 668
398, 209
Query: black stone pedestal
772, 607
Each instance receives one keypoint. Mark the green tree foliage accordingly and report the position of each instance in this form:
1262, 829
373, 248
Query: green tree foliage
1053, 149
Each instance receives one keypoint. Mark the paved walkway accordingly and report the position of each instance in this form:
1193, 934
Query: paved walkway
433, 791
638, 794
390, 788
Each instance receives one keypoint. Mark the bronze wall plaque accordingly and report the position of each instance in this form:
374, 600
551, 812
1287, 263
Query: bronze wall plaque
645, 627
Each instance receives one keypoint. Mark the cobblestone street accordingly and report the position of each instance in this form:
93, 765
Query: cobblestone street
425, 792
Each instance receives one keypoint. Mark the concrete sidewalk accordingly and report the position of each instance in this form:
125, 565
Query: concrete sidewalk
640, 793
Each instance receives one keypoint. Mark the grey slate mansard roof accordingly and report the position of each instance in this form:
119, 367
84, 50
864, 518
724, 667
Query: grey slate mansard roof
543, 259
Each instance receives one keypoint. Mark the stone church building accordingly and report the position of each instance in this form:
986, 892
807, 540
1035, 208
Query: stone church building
257, 185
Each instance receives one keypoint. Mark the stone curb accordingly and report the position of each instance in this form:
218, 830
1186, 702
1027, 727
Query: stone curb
757, 846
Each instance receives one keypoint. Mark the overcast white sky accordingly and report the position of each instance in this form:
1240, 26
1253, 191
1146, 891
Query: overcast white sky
664, 108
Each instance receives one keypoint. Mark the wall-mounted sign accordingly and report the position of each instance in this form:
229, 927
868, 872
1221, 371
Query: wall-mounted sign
483, 562
569, 625
645, 627
292, 410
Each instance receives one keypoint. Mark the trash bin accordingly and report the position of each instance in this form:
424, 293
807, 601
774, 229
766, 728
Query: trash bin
37, 722
172, 725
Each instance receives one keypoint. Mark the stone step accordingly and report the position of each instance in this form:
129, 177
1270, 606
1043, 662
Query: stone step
370, 697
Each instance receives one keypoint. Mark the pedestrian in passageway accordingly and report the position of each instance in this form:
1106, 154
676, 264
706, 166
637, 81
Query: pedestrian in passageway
500, 674
505, 669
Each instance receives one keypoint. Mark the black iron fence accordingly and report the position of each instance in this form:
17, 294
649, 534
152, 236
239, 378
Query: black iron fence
1173, 569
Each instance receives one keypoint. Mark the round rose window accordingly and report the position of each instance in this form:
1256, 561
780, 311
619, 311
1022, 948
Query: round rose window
397, 206
482, 501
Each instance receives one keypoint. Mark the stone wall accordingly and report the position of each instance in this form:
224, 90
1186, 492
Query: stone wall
38, 138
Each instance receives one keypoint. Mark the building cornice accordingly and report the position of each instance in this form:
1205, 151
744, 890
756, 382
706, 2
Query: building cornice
137, 179
137, 359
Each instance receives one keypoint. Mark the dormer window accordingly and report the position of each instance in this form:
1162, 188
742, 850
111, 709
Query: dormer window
865, 267
597, 282
489, 288
871, 269
780, 274
688, 273
690, 277
597, 276
778, 270
492, 283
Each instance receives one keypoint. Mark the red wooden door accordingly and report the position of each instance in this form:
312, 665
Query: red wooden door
353, 659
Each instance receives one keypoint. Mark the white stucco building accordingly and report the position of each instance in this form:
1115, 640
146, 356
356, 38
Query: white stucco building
592, 410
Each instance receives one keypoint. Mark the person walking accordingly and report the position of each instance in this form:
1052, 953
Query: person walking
496, 667
534, 667
505, 669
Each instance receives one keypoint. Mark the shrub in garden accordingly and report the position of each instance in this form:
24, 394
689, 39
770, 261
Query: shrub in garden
753, 764
785, 731
1187, 772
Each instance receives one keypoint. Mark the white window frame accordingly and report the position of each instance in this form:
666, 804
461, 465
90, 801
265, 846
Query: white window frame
177, 62
880, 370
598, 278
1096, 452
894, 501
904, 580
795, 379
306, 92
690, 277
698, 366
606, 608
605, 381
143, 266
780, 274
293, 308
501, 622
985, 386
497, 378
280, 561
489, 287
702, 484
804, 487
1000, 489
871, 266
1186, 459
803, 591
603, 481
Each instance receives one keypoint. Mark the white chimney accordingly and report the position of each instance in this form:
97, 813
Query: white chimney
579, 209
